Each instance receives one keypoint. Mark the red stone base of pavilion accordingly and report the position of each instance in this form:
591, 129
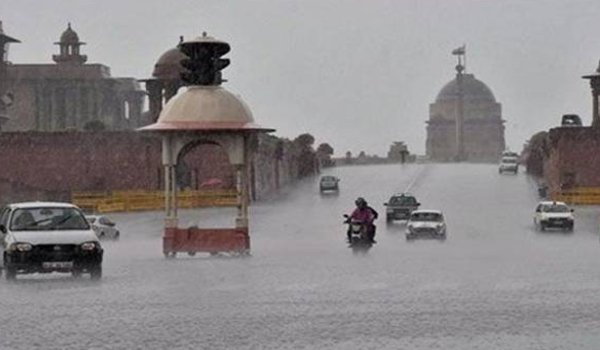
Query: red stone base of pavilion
194, 240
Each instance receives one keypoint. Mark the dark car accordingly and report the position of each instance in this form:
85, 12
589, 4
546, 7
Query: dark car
329, 183
571, 120
400, 206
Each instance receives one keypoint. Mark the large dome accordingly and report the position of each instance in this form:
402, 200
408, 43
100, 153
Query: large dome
168, 66
473, 89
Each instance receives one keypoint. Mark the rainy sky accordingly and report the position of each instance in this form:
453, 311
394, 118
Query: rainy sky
359, 74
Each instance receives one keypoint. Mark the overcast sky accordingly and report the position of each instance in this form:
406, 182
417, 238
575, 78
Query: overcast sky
359, 74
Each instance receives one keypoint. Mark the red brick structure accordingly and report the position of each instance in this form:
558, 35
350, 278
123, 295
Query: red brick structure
37, 165
572, 159
50, 166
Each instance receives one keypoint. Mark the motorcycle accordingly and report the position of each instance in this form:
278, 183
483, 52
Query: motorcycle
358, 235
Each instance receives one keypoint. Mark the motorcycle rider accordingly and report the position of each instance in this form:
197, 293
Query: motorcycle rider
365, 214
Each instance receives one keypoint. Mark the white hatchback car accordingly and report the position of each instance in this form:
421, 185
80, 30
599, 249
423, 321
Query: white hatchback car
429, 223
103, 226
554, 214
47, 237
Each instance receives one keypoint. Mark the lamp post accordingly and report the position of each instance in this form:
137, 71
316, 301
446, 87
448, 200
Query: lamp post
594, 79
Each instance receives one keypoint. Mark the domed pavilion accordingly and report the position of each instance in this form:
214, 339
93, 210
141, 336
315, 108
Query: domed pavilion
465, 122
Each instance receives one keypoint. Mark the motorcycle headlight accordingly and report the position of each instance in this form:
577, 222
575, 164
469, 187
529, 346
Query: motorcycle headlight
20, 247
87, 246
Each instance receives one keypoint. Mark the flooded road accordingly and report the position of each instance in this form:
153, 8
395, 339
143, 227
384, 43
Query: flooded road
495, 283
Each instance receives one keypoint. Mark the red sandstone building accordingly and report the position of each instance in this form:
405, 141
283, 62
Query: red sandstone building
70, 94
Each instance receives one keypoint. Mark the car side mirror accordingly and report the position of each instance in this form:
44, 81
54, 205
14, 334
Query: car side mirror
418, 204
538, 211
346, 216
385, 204
572, 210
3, 229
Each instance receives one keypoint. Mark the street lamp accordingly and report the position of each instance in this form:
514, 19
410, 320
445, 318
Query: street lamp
595, 85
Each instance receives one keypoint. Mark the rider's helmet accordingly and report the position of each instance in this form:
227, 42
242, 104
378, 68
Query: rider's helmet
360, 202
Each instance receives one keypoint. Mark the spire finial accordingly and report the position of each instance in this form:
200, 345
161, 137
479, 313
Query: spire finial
204, 35
69, 25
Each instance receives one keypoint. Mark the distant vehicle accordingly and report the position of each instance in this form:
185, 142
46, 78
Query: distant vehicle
428, 223
550, 214
509, 164
510, 154
400, 206
571, 120
329, 183
103, 227
48, 237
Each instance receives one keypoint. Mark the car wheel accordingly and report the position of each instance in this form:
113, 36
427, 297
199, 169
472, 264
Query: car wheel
542, 226
192, 253
101, 235
96, 273
76, 273
117, 235
170, 255
10, 273
389, 219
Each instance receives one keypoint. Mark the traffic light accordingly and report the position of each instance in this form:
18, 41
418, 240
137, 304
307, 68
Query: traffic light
204, 62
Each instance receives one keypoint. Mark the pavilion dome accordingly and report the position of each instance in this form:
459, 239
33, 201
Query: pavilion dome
205, 108
473, 90
69, 36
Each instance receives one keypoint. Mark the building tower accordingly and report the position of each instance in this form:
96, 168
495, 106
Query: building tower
465, 121
5, 95
69, 48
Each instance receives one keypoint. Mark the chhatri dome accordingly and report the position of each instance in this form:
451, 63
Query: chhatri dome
69, 36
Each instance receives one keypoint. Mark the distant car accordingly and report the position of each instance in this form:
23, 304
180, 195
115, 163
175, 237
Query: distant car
509, 164
400, 206
508, 153
550, 214
571, 120
329, 183
427, 223
43, 237
103, 227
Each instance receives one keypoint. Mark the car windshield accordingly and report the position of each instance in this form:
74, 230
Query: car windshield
47, 219
509, 160
328, 178
555, 208
403, 200
437, 217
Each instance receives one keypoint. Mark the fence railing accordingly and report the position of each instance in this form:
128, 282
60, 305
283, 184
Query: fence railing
124, 201
580, 195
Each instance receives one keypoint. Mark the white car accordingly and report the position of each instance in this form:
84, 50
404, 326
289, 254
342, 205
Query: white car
103, 227
428, 223
509, 164
43, 237
550, 214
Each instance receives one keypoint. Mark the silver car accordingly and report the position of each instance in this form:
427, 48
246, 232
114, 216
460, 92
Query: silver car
103, 226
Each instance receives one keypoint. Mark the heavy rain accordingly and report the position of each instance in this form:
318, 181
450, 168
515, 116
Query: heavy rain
336, 174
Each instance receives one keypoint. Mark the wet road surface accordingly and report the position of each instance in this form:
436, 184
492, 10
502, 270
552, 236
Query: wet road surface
495, 283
